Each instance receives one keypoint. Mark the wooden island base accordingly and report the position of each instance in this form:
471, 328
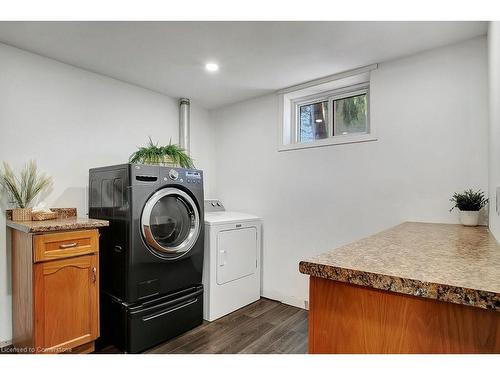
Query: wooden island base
345, 318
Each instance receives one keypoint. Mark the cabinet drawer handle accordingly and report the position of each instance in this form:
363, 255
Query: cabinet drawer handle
68, 245
94, 274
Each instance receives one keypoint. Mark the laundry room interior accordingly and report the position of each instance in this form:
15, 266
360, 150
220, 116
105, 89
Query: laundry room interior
198, 187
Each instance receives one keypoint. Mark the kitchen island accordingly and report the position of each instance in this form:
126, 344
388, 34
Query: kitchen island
415, 288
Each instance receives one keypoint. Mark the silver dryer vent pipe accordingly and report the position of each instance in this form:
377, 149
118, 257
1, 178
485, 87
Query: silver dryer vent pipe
184, 124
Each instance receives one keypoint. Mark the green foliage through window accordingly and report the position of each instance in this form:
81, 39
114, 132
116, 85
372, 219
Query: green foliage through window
350, 116
353, 108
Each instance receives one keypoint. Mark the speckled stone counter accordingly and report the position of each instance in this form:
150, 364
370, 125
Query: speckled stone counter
445, 262
63, 224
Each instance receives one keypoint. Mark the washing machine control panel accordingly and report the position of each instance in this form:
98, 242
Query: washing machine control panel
173, 174
183, 176
193, 177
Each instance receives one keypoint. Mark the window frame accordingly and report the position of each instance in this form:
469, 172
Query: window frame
330, 97
342, 85
296, 116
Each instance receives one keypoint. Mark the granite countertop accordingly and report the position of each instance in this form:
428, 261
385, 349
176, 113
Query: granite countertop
446, 262
70, 223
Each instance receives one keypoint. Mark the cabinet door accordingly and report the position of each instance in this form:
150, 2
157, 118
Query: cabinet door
66, 303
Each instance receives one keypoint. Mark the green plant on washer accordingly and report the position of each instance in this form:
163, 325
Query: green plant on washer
24, 188
171, 154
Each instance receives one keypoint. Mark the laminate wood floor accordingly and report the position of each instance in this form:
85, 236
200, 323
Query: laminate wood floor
264, 327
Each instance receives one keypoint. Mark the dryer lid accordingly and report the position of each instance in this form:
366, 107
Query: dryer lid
228, 217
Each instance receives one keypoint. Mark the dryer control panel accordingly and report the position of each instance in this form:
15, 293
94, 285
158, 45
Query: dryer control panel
214, 205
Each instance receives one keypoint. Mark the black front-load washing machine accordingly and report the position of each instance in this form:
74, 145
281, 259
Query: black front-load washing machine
151, 256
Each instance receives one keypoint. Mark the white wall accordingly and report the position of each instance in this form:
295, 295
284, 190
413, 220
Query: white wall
431, 115
70, 120
494, 81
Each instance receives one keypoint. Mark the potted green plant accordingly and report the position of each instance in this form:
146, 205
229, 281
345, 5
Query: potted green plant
23, 189
469, 204
171, 155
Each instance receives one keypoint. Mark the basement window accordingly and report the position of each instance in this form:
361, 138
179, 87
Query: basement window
327, 112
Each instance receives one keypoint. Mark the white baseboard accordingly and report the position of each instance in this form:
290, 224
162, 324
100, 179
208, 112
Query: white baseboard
287, 300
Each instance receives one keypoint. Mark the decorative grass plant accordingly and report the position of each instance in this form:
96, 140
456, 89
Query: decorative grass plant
469, 200
24, 188
171, 154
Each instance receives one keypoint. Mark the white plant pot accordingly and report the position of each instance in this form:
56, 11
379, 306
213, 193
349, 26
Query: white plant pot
469, 218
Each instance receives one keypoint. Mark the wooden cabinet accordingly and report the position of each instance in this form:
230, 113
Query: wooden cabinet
55, 291
350, 319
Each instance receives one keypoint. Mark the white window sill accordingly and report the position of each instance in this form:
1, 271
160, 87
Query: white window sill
337, 140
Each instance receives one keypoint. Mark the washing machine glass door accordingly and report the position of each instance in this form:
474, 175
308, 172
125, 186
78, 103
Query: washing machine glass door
170, 223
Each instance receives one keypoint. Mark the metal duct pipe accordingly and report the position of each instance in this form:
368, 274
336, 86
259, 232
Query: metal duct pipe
184, 124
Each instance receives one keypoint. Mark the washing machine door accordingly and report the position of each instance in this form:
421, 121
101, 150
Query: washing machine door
170, 223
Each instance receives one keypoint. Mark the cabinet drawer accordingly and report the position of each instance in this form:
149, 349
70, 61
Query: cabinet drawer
65, 244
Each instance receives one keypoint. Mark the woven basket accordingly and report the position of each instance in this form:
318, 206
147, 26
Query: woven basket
167, 161
64, 212
21, 214
39, 216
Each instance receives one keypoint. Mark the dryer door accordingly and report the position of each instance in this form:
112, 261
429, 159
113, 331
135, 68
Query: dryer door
170, 223
236, 254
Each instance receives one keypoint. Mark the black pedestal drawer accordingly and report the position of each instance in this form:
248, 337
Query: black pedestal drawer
135, 328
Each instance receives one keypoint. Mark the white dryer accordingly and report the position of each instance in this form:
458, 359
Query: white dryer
231, 266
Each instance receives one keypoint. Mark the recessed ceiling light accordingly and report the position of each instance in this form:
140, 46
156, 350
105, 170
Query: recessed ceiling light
211, 67
319, 120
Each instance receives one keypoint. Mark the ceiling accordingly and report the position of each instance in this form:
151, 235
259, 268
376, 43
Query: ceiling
254, 57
